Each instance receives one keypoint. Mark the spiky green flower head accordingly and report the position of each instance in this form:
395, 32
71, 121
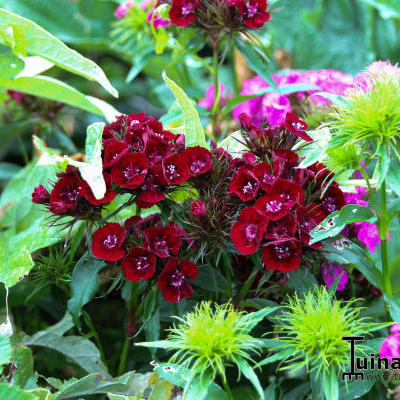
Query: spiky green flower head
211, 338
311, 331
370, 113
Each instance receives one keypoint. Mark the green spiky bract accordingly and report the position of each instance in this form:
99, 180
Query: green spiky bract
212, 337
372, 116
311, 331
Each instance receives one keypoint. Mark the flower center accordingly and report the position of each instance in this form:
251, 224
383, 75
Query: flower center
197, 166
142, 263
71, 194
249, 187
273, 206
161, 246
329, 203
298, 126
268, 178
282, 252
251, 10
172, 172
187, 9
307, 226
251, 232
177, 279
130, 172
111, 241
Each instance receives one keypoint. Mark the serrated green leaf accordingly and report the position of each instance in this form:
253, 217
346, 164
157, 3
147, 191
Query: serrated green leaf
194, 132
41, 43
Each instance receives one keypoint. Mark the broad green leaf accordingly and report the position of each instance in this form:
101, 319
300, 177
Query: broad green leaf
354, 390
13, 393
247, 370
8, 170
393, 177
258, 303
96, 384
163, 390
194, 132
161, 344
84, 284
198, 388
42, 394
34, 65
301, 280
43, 44
331, 386
5, 350
334, 223
24, 376
53, 89
14, 265
394, 208
269, 392
10, 64
274, 358
80, 350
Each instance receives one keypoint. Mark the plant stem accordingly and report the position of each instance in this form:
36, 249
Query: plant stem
384, 235
371, 193
215, 107
228, 391
124, 356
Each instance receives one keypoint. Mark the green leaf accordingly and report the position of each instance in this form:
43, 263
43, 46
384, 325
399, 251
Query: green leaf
84, 284
198, 388
10, 64
393, 209
161, 344
8, 170
269, 392
393, 177
5, 350
13, 393
41, 43
246, 369
53, 89
194, 132
334, 223
387, 8
354, 390
330, 386
14, 265
24, 376
257, 61
301, 280
80, 350
252, 319
96, 384
42, 394
275, 357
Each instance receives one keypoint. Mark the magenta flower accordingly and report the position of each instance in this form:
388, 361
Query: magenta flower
208, 101
368, 235
390, 347
330, 272
123, 9
157, 21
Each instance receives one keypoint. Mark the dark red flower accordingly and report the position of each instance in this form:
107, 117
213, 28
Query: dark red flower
244, 184
333, 199
113, 151
86, 192
65, 195
40, 195
164, 241
198, 209
131, 222
248, 231
151, 221
249, 159
149, 198
273, 206
289, 191
319, 171
182, 12
199, 159
282, 255
176, 169
155, 177
267, 175
254, 13
130, 171
287, 158
140, 263
183, 234
296, 126
107, 242
285, 227
247, 123
173, 279
308, 218
156, 151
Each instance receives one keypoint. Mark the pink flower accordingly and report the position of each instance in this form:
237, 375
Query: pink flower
157, 21
123, 9
330, 272
208, 101
368, 235
390, 347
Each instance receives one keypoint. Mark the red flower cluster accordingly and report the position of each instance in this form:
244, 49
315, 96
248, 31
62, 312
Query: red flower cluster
238, 14
140, 158
71, 195
284, 202
142, 244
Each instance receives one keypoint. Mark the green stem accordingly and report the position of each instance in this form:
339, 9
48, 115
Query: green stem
215, 107
384, 235
124, 356
371, 193
228, 391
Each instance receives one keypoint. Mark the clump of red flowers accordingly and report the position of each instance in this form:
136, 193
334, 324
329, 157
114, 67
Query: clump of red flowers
283, 202
146, 249
218, 15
